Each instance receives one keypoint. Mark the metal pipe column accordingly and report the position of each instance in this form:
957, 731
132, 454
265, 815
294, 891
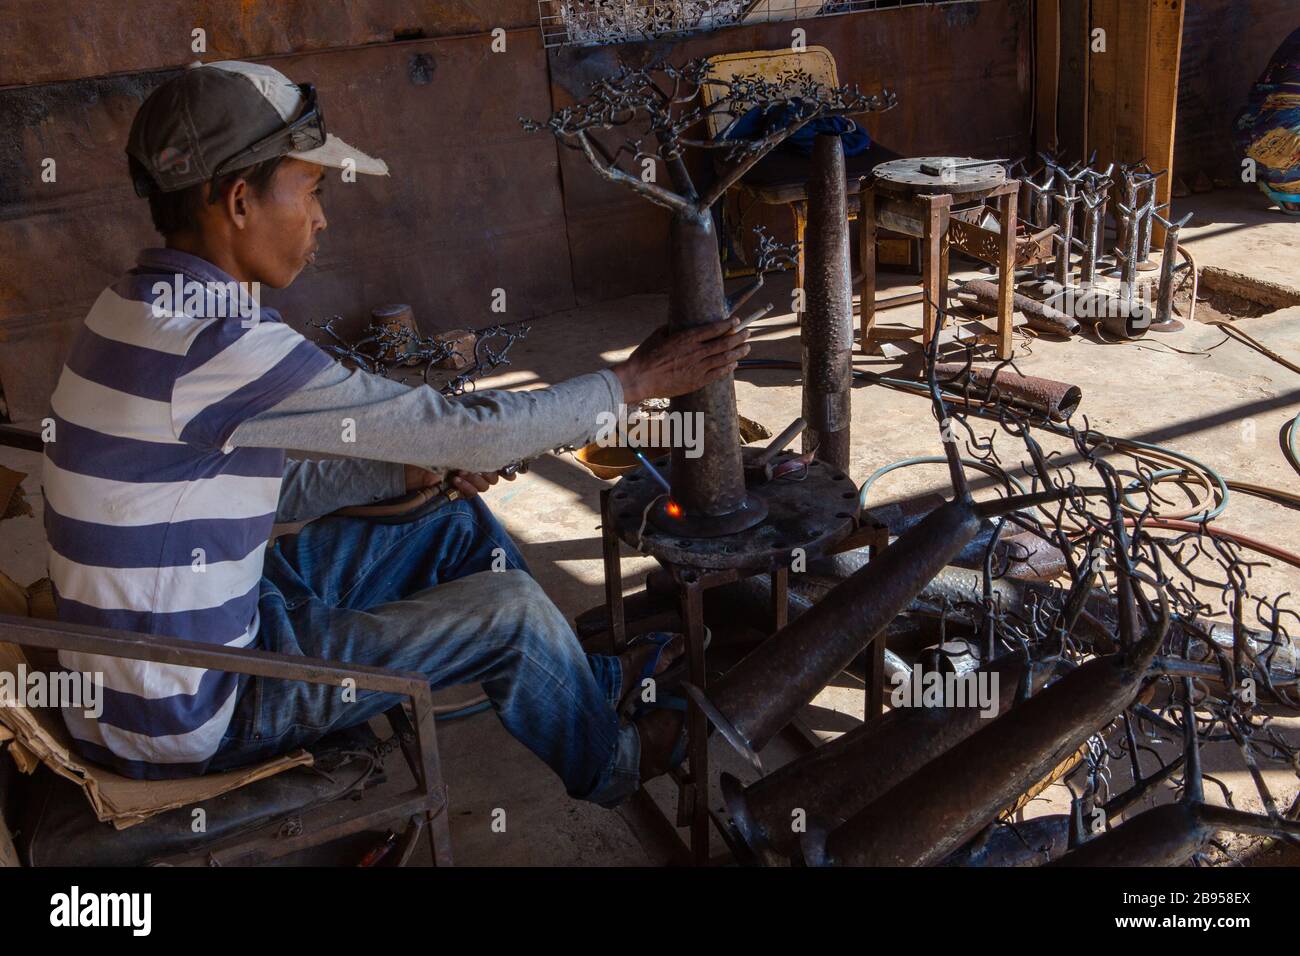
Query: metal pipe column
827, 330
713, 484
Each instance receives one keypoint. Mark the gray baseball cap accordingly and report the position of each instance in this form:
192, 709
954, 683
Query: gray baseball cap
216, 117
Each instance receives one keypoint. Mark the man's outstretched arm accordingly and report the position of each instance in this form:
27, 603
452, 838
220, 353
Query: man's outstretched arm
360, 415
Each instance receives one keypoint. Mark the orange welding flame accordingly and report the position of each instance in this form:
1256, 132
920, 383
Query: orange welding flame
673, 508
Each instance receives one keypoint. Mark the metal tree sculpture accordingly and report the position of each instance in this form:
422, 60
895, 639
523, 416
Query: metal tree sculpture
669, 104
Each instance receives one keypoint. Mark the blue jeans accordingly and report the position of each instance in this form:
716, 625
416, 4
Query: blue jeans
423, 596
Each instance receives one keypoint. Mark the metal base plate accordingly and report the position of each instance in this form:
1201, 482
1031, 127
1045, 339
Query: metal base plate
814, 514
751, 512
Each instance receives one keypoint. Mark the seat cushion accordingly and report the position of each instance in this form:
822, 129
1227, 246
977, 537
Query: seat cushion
782, 175
60, 828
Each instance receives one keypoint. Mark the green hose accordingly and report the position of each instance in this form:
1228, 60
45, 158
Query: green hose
1289, 432
930, 460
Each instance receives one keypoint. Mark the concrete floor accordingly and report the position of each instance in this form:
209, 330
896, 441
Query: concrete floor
1222, 403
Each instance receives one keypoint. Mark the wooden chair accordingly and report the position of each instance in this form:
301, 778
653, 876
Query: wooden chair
781, 178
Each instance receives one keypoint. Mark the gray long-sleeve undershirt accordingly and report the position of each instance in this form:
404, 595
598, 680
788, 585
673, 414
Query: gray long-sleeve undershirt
312, 488
364, 416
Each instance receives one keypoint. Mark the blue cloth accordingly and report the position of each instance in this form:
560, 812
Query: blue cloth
1268, 129
423, 596
757, 124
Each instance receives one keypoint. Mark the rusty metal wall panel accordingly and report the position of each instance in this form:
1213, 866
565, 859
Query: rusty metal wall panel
959, 71
66, 39
1226, 46
473, 202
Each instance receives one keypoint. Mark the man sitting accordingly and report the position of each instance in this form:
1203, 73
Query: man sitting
167, 471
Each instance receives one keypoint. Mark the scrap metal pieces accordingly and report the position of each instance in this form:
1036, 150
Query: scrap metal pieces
760, 695
1171, 834
385, 346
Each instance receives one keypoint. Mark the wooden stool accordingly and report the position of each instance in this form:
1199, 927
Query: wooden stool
941, 209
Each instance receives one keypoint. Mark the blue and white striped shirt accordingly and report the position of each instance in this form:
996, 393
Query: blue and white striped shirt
155, 523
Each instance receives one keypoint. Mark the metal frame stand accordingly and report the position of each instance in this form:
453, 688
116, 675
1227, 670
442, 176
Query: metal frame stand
693, 781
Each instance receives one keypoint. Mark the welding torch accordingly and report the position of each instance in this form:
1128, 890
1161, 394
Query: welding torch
451, 493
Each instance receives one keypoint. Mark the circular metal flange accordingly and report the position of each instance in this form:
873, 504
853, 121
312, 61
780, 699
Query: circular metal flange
751, 512
906, 175
1173, 325
813, 514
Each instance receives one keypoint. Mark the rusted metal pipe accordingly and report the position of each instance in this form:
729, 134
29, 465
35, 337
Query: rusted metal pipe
1124, 320
1031, 843
1169, 835
761, 694
1039, 315
838, 779
1057, 400
827, 329
950, 799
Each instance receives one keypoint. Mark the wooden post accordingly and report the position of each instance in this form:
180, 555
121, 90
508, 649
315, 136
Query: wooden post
1072, 95
867, 258
933, 277
1103, 77
1133, 86
1047, 58
1006, 269
1166, 44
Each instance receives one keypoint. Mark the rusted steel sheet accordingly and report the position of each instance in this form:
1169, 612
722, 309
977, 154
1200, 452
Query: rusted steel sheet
67, 39
955, 60
472, 203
